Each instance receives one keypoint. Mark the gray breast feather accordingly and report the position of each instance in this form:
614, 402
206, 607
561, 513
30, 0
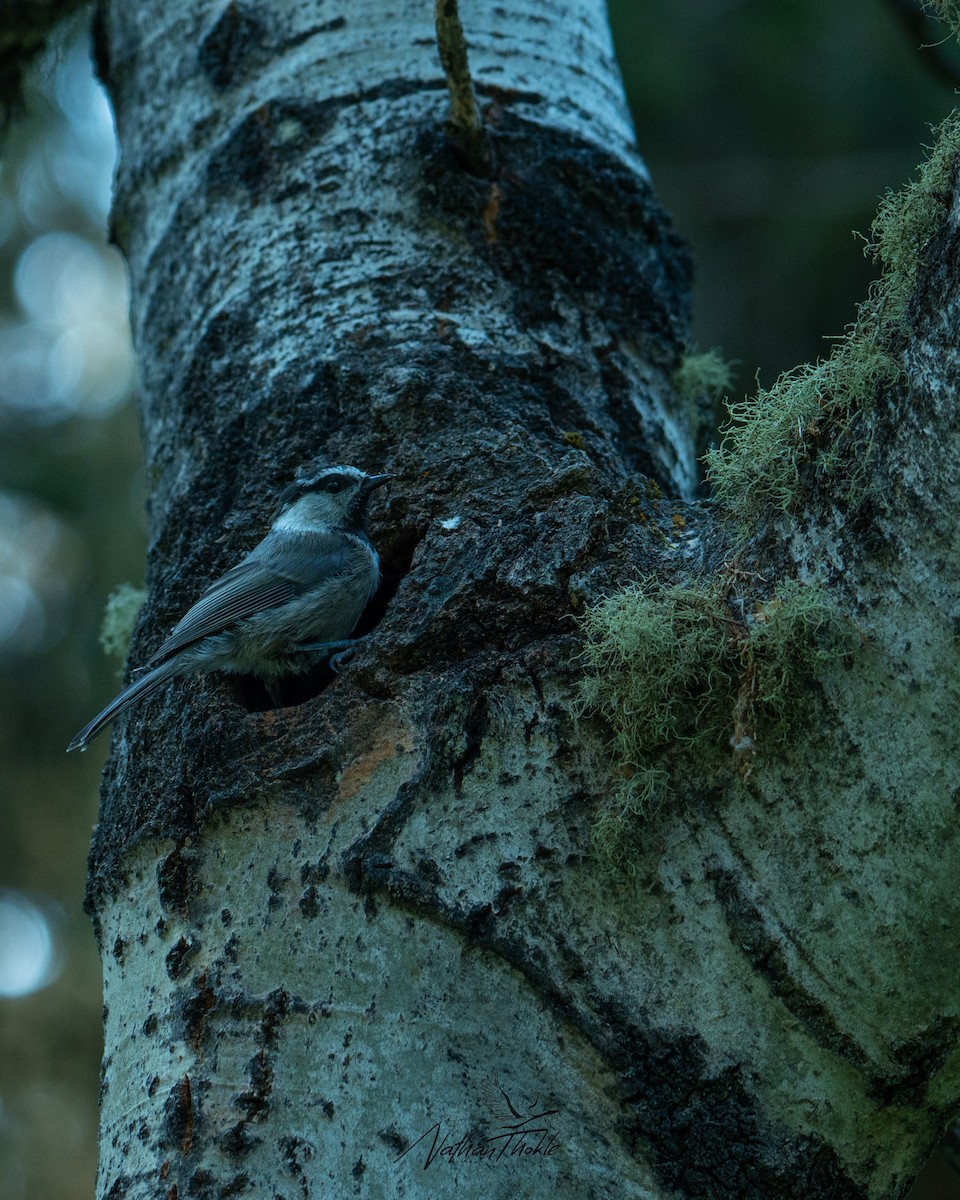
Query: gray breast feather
291, 588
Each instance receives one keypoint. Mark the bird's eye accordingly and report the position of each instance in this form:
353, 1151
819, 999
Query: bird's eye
333, 486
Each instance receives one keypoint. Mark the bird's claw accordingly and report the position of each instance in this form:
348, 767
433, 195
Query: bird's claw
344, 650
342, 656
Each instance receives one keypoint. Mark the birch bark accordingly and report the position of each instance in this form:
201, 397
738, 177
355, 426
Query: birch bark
360, 945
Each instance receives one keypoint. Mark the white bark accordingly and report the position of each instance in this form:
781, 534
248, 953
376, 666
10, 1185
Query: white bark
322, 1044
328, 928
326, 97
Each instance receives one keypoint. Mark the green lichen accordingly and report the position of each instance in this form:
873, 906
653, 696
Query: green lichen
809, 415
654, 656
119, 617
702, 383
771, 435
793, 637
948, 11
908, 219
614, 831
707, 374
672, 670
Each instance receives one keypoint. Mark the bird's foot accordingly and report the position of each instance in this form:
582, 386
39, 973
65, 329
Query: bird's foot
343, 650
342, 656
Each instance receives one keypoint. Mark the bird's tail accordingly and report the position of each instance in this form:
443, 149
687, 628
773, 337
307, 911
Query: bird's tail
130, 695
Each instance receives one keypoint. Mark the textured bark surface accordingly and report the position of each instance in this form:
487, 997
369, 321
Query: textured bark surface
328, 929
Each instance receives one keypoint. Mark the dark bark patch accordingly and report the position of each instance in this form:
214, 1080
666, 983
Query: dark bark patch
258, 152
238, 1140
119, 1188
180, 955
703, 1128
236, 45
314, 873
429, 869
236, 1186
475, 840
276, 882
394, 1140
309, 903
274, 1011
765, 951
200, 1185
296, 1152
368, 853
179, 1117
256, 1100
175, 882
219, 377
193, 1005
567, 213
231, 951
918, 1063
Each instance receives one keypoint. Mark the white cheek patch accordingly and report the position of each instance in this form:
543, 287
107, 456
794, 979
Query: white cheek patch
306, 516
295, 520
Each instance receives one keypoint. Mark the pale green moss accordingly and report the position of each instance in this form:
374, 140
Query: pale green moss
670, 670
119, 617
808, 412
657, 660
793, 637
702, 383
653, 655
948, 11
615, 828
707, 374
773, 433
906, 221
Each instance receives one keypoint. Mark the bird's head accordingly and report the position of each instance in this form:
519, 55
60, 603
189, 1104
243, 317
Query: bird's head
332, 498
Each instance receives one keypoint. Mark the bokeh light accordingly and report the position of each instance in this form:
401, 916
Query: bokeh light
29, 959
71, 350
65, 341
71, 528
37, 567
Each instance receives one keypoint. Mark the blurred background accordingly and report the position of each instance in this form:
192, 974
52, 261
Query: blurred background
770, 131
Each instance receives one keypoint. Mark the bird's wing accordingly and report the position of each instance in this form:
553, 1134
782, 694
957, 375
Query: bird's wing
255, 584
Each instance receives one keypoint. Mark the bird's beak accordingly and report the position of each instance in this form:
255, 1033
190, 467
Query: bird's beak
372, 482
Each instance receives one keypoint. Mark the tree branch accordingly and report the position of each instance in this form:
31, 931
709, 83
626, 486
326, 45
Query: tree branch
465, 126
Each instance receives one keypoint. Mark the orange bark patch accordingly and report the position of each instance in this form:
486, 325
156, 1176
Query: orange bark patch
491, 213
389, 741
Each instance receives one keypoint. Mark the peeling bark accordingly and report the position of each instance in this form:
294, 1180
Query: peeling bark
345, 935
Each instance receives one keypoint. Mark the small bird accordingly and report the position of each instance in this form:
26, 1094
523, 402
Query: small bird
299, 593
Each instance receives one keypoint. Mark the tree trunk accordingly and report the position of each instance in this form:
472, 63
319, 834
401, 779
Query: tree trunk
363, 944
